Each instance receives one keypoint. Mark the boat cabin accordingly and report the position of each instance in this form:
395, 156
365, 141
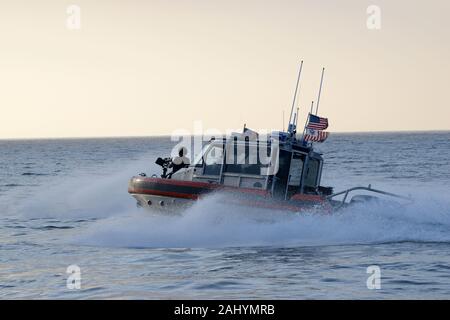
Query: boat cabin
283, 168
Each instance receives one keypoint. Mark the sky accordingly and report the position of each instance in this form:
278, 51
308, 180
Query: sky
140, 68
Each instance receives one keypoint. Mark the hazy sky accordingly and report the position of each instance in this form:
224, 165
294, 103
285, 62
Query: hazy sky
150, 67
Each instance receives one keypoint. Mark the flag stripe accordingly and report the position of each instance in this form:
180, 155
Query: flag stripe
317, 123
319, 136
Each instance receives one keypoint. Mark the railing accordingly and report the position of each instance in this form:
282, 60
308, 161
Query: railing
369, 188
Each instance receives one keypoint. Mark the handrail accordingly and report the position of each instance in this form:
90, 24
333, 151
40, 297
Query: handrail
369, 188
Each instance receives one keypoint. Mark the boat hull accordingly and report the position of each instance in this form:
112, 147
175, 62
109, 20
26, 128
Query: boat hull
161, 203
175, 195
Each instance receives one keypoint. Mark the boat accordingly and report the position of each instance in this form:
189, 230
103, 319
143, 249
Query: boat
295, 186
279, 171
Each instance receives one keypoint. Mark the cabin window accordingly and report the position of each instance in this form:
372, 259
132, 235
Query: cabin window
284, 162
213, 160
296, 170
312, 173
244, 158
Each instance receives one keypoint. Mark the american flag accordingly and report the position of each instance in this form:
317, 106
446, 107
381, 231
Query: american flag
317, 123
315, 135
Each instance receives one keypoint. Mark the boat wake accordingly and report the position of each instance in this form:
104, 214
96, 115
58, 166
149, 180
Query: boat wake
212, 223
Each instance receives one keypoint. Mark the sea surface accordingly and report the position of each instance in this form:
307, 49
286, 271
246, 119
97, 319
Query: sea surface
65, 203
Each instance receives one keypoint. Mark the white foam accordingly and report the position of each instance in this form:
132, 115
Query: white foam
212, 223
84, 195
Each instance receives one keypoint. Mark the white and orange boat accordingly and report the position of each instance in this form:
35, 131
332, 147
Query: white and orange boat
280, 172
291, 181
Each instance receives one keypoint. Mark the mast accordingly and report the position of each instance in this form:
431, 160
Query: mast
295, 121
320, 90
295, 118
295, 93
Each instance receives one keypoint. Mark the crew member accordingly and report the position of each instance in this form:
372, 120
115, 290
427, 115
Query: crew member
181, 161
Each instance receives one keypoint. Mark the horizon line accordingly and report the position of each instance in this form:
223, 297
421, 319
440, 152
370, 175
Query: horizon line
168, 135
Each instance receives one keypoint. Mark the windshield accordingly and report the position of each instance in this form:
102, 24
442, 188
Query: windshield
198, 159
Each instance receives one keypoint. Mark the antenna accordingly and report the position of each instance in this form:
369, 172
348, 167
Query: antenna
295, 93
320, 90
296, 120
295, 117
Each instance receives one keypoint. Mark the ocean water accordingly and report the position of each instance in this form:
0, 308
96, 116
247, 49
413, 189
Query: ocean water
65, 202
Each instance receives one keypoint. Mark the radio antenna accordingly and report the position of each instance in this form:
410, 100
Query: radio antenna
295, 93
320, 90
